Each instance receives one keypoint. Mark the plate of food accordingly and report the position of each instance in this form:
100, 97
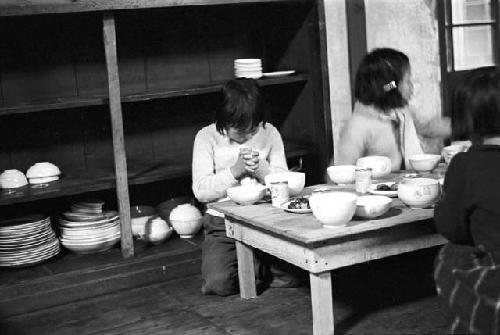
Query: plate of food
299, 205
388, 188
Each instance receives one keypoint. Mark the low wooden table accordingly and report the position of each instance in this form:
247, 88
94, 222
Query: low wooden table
301, 240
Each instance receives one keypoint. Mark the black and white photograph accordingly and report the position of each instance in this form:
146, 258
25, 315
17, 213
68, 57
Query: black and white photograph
249, 167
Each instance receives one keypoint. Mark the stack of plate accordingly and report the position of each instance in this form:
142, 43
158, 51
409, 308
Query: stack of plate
27, 240
248, 68
87, 229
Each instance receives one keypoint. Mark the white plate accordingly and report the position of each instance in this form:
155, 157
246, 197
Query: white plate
278, 73
296, 211
391, 194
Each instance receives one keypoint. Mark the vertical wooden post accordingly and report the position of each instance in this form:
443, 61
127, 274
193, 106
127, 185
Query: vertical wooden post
322, 303
109, 36
246, 270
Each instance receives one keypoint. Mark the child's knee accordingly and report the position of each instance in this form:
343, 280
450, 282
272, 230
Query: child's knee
220, 283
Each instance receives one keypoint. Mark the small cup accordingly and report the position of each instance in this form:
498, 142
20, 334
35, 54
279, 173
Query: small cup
451, 150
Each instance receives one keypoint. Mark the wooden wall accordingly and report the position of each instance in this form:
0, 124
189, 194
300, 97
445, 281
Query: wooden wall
60, 57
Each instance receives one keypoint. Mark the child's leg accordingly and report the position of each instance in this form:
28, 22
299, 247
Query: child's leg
219, 267
219, 263
284, 274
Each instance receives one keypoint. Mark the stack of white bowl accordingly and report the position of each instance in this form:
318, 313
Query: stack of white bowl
248, 68
42, 173
88, 229
27, 240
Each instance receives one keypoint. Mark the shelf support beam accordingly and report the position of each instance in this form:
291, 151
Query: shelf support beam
109, 36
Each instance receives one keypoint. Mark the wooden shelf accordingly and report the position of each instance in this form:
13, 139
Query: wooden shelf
30, 7
142, 96
104, 180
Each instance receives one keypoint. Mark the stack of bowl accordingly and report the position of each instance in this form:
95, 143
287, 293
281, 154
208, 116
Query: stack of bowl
42, 173
248, 68
88, 229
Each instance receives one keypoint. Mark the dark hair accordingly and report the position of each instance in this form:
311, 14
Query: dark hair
378, 69
241, 105
476, 104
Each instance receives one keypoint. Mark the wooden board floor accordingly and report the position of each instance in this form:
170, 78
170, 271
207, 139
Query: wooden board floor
391, 296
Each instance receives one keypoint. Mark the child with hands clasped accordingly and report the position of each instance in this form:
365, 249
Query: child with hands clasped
467, 270
381, 123
239, 148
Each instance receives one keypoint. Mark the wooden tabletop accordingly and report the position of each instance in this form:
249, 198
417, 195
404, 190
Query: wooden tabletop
307, 230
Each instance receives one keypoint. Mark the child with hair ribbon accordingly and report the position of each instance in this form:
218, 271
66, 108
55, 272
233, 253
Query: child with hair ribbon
381, 123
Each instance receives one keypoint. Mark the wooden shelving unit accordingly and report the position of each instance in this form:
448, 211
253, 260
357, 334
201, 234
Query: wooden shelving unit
158, 66
67, 103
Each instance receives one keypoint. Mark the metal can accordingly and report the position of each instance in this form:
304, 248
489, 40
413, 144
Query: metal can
363, 179
279, 193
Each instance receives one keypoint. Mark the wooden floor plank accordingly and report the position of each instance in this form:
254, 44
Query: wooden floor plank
390, 296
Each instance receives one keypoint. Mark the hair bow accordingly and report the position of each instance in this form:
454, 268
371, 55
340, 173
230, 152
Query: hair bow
391, 85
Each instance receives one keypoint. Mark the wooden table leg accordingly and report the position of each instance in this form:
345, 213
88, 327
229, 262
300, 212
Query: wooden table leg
246, 270
322, 303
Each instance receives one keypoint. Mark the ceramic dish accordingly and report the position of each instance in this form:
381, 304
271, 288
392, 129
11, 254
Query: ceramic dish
296, 211
278, 73
391, 194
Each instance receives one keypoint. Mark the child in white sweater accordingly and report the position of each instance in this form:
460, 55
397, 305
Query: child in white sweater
218, 165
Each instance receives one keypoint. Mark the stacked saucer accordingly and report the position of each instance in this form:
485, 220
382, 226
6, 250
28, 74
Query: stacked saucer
88, 229
248, 68
27, 240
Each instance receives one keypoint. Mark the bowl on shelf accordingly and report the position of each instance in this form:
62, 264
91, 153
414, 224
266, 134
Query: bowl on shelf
424, 162
372, 206
246, 195
380, 165
342, 174
12, 179
296, 180
165, 207
43, 170
419, 192
186, 220
156, 230
139, 216
333, 209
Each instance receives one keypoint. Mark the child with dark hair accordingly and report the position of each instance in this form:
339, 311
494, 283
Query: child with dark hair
381, 123
218, 165
467, 270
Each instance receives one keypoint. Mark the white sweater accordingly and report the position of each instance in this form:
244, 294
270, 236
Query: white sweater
214, 154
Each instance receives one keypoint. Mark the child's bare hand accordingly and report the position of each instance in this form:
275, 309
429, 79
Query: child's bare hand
239, 169
251, 161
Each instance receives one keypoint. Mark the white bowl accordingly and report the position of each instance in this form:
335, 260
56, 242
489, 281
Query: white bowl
372, 206
42, 170
186, 220
296, 180
424, 162
157, 230
12, 179
380, 165
451, 150
342, 174
333, 209
246, 195
418, 192
139, 215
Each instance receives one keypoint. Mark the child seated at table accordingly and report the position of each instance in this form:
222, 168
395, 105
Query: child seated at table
467, 270
218, 165
381, 123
